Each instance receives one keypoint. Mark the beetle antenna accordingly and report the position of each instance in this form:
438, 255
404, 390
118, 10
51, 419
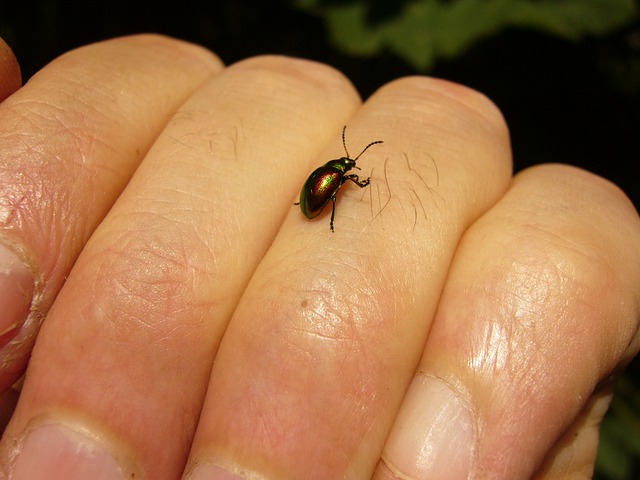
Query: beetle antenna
344, 143
365, 148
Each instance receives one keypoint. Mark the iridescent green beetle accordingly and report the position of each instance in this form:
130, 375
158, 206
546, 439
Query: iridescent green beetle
323, 184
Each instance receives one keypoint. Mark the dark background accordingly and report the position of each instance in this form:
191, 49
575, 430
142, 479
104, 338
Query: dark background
571, 101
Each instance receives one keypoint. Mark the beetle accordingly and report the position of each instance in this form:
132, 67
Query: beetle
325, 181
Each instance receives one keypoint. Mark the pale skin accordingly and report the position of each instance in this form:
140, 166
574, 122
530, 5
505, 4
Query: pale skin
459, 323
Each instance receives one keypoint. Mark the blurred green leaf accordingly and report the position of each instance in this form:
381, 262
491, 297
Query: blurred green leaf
619, 448
423, 30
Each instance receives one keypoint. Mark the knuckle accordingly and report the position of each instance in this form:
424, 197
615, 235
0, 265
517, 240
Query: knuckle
149, 279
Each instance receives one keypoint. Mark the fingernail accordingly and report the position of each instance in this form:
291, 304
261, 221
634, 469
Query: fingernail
433, 435
57, 452
16, 293
212, 472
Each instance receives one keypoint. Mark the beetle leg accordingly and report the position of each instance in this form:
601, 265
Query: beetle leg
333, 212
355, 179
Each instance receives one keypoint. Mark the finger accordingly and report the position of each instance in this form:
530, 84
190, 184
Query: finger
117, 380
10, 79
574, 453
70, 140
541, 304
323, 343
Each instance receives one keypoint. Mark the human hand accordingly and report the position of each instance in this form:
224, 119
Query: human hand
459, 323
